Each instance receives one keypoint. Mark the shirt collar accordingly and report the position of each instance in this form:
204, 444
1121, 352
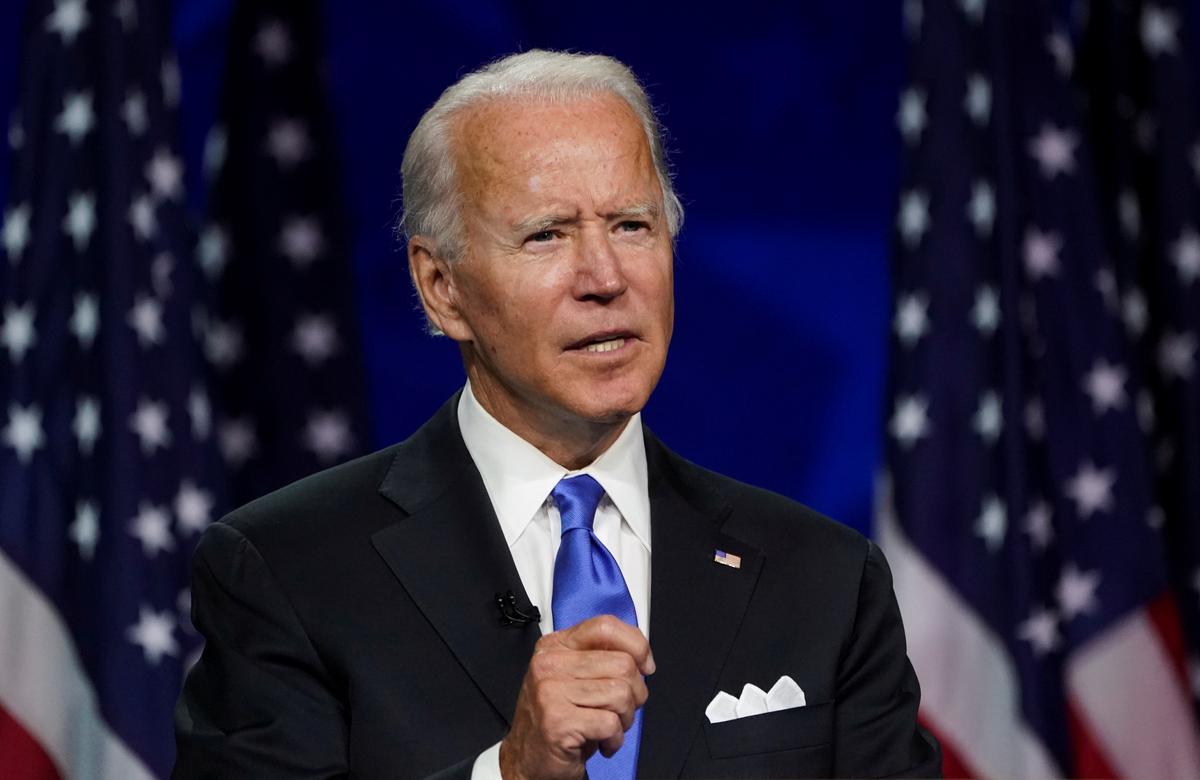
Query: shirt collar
519, 476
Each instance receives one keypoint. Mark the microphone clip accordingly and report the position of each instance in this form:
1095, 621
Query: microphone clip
512, 615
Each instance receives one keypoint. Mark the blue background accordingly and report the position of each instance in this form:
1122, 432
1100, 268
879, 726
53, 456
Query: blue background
781, 120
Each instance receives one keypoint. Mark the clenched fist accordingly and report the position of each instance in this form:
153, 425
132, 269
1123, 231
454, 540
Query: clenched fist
580, 693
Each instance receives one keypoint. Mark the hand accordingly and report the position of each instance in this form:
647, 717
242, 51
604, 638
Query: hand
579, 695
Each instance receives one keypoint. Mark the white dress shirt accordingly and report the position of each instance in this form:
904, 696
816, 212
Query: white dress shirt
519, 477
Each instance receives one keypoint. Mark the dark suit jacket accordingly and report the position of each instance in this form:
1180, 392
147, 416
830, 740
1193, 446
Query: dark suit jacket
351, 629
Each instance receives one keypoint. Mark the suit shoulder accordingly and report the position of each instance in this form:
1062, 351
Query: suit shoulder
768, 519
321, 502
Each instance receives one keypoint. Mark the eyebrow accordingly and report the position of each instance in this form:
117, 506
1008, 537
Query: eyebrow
540, 222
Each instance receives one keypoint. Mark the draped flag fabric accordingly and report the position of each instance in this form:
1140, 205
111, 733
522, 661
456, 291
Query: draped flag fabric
283, 341
1037, 509
108, 472
148, 381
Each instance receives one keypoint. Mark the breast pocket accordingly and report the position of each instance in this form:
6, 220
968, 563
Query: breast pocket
799, 727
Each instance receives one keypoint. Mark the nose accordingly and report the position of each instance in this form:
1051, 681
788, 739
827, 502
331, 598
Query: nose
599, 273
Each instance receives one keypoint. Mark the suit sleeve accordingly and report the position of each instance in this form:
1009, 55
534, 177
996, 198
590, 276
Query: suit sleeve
258, 703
876, 720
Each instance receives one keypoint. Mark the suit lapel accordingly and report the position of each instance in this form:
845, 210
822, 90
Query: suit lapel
450, 555
696, 606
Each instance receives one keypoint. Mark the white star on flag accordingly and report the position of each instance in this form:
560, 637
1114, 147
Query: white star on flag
1041, 253
913, 219
911, 117
18, 334
155, 634
273, 43
328, 435
1059, 46
1159, 30
978, 100
1106, 285
85, 530
77, 118
1129, 212
146, 320
315, 338
193, 508
24, 431
992, 523
133, 112
974, 9
1076, 591
1054, 149
169, 76
222, 344
164, 172
1134, 312
912, 319
1040, 630
1105, 383
200, 412
1035, 420
85, 319
86, 423
15, 233
301, 240
1091, 489
288, 142
1185, 254
981, 208
985, 314
69, 18
989, 417
1039, 526
80, 221
160, 274
149, 423
237, 441
1177, 355
152, 527
212, 250
143, 218
910, 420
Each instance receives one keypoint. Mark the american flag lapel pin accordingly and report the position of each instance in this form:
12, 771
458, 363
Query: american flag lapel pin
727, 559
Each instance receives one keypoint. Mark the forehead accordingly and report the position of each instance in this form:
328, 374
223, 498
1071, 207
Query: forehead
529, 142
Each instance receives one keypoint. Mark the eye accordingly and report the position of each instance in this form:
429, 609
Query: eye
541, 236
633, 226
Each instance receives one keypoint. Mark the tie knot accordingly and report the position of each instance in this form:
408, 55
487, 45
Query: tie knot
577, 499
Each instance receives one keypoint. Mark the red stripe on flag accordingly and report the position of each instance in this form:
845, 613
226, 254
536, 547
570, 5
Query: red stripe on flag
953, 765
1090, 760
21, 757
1164, 615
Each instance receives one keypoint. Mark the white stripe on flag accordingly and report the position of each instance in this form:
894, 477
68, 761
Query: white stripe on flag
43, 685
1132, 700
968, 684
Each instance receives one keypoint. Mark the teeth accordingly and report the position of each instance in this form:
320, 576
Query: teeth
605, 346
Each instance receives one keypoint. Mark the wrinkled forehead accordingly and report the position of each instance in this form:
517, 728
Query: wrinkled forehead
525, 138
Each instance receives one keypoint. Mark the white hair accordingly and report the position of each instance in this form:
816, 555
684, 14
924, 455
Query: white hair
432, 200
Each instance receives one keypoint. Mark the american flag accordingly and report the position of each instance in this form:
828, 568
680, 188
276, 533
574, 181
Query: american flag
132, 358
1039, 363
283, 341
108, 472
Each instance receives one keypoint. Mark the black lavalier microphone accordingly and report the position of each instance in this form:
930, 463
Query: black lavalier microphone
512, 615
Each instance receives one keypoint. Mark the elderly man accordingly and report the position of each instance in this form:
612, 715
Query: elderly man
381, 619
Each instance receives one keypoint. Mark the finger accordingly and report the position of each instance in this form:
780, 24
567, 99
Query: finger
588, 665
605, 632
616, 696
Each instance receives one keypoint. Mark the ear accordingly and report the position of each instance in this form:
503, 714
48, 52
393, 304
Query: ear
433, 277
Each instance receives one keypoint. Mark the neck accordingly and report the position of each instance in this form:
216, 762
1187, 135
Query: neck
571, 442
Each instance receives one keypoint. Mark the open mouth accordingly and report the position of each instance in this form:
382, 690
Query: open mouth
605, 346
609, 341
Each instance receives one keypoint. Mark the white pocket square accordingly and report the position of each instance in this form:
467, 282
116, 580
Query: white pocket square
784, 695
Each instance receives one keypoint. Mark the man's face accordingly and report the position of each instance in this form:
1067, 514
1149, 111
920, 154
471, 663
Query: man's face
564, 296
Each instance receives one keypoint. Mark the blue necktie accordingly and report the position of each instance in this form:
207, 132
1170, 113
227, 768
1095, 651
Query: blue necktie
588, 582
